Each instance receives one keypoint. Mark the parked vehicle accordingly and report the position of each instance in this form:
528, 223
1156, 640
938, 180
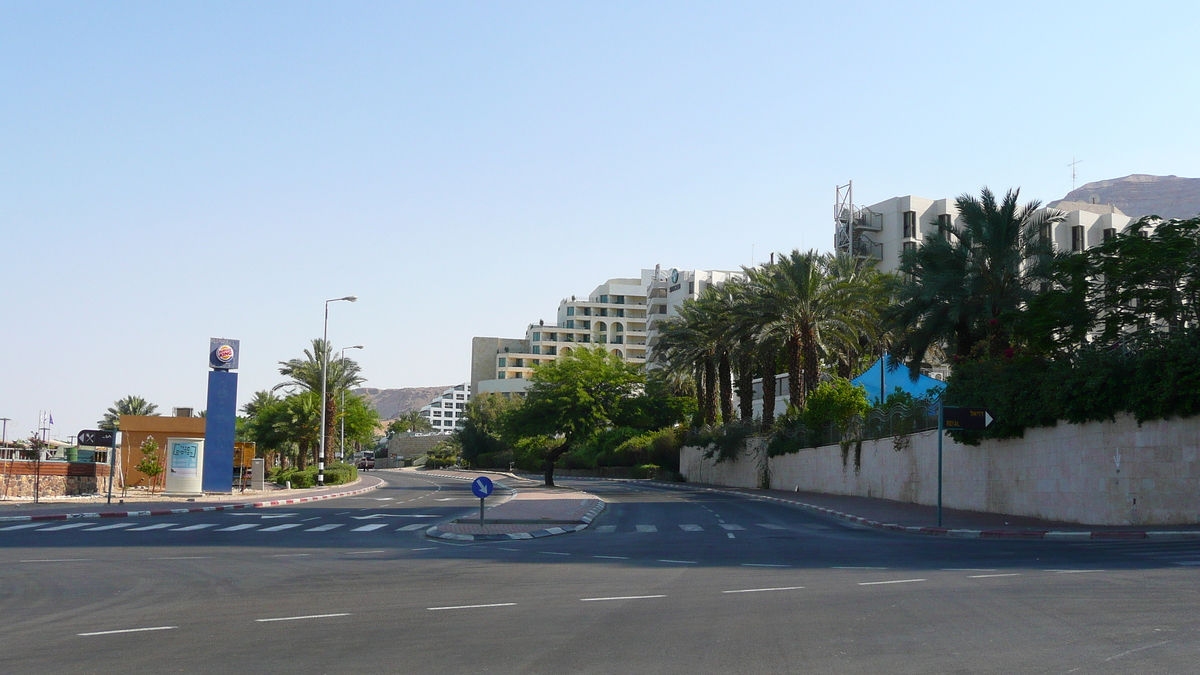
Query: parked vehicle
365, 463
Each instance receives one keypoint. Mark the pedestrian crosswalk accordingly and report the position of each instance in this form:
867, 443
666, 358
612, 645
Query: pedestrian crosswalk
685, 527
1183, 553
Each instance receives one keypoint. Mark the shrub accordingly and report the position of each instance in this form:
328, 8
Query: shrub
645, 471
837, 403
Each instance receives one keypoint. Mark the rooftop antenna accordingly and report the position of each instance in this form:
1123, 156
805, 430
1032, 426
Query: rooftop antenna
1072, 165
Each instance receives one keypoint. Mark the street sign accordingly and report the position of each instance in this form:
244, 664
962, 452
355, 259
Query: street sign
967, 419
482, 487
96, 438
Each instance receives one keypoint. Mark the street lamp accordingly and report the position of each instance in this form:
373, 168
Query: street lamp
324, 375
342, 449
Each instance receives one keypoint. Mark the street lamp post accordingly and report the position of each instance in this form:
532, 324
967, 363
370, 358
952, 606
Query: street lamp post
4, 434
324, 375
342, 448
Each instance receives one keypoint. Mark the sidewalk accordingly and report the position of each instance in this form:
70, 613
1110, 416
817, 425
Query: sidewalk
161, 505
533, 510
921, 519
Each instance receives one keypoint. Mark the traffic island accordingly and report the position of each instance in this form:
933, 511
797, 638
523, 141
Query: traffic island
531, 514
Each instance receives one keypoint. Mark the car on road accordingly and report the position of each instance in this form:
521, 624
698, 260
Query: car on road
365, 463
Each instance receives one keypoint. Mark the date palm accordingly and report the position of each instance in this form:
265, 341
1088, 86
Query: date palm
342, 374
130, 405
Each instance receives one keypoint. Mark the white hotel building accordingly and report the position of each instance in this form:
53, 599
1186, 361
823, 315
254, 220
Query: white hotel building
619, 314
885, 229
446, 412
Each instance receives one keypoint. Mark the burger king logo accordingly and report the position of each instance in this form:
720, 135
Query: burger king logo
224, 353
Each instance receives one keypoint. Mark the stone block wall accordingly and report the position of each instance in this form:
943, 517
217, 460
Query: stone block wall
1099, 473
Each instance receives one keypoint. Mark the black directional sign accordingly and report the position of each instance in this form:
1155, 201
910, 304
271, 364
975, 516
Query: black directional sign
967, 419
96, 438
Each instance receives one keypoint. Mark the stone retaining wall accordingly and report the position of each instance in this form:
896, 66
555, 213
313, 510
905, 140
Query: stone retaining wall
1099, 473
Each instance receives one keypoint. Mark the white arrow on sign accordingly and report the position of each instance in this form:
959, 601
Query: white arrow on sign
987, 418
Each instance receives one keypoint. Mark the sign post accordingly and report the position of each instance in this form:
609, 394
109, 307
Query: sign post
102, 439
954, 418
482, 487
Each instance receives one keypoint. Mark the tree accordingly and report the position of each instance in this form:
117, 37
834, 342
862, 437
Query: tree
412, 421
966, 287
149, 463
809, 308
572, 397
483, 428
130, 405
299, 422
361, 421
341, 374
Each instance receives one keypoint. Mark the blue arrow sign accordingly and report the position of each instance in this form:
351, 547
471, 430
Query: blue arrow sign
482, 487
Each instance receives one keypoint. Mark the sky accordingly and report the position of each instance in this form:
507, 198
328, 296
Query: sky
171, 172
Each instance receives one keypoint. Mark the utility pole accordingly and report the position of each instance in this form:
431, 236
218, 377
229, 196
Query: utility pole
1072, 165
4, 433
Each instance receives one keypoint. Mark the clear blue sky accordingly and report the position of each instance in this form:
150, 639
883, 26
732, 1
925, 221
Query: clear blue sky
175, 171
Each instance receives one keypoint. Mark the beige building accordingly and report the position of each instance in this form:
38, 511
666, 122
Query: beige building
619, 314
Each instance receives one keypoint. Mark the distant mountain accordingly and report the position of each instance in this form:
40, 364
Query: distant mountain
1141, 194
391, 403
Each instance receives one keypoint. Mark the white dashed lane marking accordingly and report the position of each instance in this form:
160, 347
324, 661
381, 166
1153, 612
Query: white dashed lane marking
238, 528
647, 528
68, 526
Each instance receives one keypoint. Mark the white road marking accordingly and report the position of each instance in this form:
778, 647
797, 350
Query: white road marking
993, 576
313, 518
189, 528
691, 528
732, 527
602, 528
622, 597
1126, 653
58, 560
325, 528
21, 527
552, 553
114, 526
362, 552
857, 568
762, 565
127, 630
680, 562
427, 548
508, 549
968, 569
769, 526
893, 581
368, 528
646, 528
494, 604
297, 618
68, 526
287, 555
1073, 571
611, 557
410, 528
277, 528
236, 528
156, 526
730, 535
764, 590
186, 557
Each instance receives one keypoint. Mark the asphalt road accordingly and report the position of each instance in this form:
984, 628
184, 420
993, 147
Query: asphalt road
665, 581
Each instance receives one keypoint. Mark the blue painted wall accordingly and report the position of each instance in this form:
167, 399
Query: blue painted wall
219, 431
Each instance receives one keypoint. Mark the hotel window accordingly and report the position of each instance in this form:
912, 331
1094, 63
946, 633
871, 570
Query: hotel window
910, 246
1077, 238
500, 375
437, 413
945, 225
501, 361
537, 337
570, 311
604, 298
910, 224
1109, 233
537, 349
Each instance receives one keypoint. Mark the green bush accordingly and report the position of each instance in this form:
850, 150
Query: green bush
493, 460
335, 474
645, 471
726, 441
836, 403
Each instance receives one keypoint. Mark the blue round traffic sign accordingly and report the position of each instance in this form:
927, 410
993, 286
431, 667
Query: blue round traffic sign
482, 486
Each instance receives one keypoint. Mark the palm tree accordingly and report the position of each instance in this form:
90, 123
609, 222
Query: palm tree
965, 289
808, 308
305, 374
130, 405
410, 421
260, 401
683, 346
300, 423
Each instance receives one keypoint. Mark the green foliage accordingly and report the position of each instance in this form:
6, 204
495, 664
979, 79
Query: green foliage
836, 402
646, 471
149, 463
724, 442
361, 420
411, 421
483, 428
335, 474
1155, 382
444, 454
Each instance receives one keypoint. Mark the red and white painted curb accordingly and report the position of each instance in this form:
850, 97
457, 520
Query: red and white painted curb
1068, 535
198, 509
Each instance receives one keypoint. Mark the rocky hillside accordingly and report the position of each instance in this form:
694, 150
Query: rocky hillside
1141, 194
391, 403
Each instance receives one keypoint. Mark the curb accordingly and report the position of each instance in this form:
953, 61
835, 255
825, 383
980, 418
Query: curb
587, 519
199, 509
1070, 535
